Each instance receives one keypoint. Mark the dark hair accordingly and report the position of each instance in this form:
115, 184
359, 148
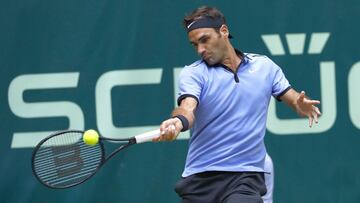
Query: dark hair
203, 11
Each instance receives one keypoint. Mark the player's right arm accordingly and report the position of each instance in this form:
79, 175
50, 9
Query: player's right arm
186, 110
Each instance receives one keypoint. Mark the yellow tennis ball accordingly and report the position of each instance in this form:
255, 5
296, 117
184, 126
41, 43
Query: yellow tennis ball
91, 137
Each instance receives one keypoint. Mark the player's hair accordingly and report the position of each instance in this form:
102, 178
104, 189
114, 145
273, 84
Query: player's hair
203, 11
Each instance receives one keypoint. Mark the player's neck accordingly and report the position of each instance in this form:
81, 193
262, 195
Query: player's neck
231, 60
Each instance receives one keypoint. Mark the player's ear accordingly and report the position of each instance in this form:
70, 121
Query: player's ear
224, 31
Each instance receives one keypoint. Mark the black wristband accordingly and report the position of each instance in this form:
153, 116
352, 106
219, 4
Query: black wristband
184, 122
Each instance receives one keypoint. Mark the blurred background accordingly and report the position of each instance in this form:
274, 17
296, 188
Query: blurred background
112, 65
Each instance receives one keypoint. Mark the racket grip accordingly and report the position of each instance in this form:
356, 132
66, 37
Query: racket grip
148, 136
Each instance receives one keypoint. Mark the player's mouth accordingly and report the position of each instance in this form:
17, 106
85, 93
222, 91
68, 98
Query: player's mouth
205, 56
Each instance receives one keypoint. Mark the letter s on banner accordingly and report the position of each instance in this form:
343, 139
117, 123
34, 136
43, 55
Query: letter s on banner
24, 109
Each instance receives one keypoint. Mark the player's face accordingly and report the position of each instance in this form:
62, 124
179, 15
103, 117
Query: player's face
209, 44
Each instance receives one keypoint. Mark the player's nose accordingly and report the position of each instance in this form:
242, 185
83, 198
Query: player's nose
201, 51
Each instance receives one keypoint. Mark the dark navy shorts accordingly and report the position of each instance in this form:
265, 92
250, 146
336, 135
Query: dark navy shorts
222, 187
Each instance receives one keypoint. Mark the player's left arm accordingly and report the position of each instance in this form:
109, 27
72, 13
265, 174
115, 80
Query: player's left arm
302, 104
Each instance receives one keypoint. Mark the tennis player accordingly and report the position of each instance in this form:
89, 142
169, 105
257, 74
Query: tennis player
224, 99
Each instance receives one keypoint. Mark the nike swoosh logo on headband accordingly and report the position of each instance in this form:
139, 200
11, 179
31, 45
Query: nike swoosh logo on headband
190, 24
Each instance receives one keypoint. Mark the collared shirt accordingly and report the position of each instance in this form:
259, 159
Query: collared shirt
230, 119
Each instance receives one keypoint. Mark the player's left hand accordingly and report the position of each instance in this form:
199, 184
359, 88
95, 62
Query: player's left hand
306, 107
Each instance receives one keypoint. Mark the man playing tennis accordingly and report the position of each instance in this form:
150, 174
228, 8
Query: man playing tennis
224, 98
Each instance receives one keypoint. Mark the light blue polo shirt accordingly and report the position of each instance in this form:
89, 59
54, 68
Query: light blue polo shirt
230, 119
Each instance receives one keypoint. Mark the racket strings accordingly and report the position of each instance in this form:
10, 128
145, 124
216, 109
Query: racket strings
65, 160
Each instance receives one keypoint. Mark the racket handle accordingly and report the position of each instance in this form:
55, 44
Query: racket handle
148, 136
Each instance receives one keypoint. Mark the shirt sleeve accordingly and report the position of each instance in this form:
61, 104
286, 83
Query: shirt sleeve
280, 84
190, 83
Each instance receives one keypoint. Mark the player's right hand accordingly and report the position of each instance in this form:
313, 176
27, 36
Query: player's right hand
169, 130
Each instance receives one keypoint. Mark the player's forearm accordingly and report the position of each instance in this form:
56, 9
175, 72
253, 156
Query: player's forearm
290, 98
189, 116
186, 109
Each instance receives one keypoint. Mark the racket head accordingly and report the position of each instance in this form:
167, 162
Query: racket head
63, 160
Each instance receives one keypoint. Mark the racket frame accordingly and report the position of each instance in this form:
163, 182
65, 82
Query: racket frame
104, 159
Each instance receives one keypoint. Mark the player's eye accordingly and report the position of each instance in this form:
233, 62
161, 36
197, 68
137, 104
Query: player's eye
203, 40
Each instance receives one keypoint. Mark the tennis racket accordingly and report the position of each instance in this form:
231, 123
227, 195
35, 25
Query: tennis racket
63, 160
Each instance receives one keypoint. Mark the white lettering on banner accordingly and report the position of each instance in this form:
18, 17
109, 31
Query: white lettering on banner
328, 103
23, 109
295, 43
354, 94
104, 112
